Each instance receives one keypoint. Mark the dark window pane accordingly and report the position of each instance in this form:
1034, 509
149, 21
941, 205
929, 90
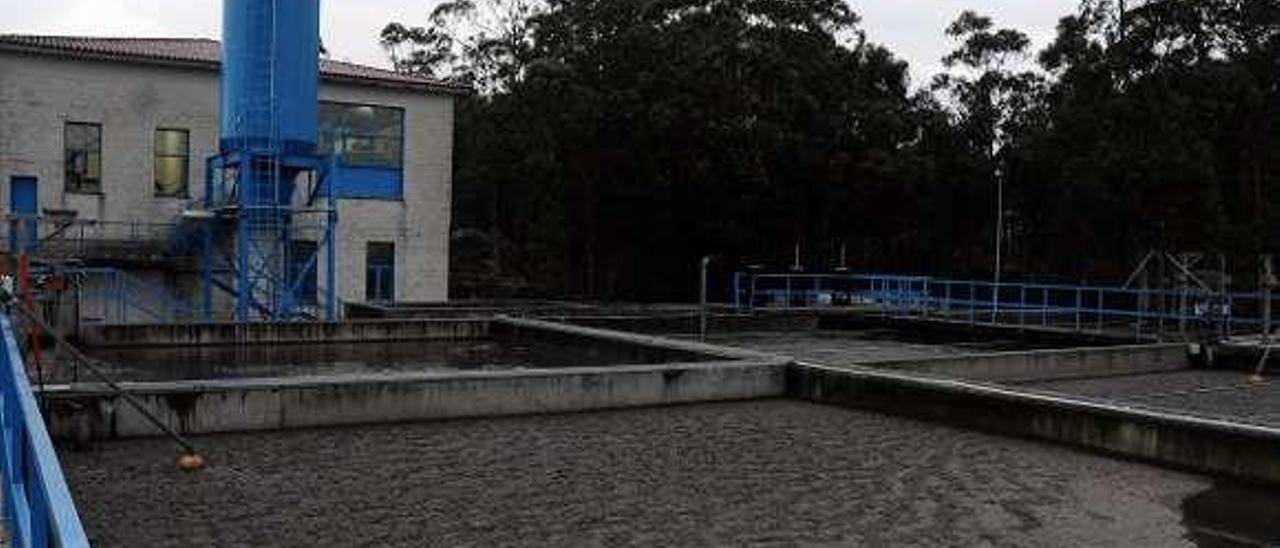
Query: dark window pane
82, 157
362, 135
380, 272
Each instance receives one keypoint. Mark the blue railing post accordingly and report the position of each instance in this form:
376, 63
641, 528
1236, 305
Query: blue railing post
1101, 308
1022, 304
1160, 314
1044, 306
787, 297
1079, 306
1228, 318
1139, 308
927, 298
946, 302
973, 303
737, 291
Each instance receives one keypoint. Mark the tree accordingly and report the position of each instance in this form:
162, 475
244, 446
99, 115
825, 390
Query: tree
484, 44
652, 133
991, 100
1156, 133
611, 143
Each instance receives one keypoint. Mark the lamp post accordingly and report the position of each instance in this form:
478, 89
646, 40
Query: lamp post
995, 289
702, 298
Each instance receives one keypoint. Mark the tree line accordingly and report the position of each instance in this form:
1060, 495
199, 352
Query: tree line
610, 144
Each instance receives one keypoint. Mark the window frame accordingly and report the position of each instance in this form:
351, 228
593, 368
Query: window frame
185, 191
308, 292
342, 157
66, 164
389, 267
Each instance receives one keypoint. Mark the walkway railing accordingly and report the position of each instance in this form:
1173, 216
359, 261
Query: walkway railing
115, 296
86, 239
37, 504
1076, 307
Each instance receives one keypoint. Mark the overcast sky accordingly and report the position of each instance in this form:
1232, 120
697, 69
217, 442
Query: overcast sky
911, 28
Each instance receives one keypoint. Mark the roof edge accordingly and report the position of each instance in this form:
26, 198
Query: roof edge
428, 86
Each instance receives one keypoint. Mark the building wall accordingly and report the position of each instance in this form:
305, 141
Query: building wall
38, 95
419, 224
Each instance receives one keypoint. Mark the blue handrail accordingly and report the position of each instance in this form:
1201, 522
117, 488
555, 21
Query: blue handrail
37, 503
1080, 307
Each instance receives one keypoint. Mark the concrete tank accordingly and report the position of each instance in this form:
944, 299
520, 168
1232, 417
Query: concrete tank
270, 57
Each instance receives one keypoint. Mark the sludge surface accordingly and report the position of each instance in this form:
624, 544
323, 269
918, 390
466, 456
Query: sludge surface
770, 472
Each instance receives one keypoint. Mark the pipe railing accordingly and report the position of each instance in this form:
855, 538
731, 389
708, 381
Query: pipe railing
115, 296
38, 505
1077, 307
51, 236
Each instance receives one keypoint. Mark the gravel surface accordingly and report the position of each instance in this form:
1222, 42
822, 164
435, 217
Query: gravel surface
768, 472
1225, 394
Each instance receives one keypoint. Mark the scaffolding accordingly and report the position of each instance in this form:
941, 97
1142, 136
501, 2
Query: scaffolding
263, 236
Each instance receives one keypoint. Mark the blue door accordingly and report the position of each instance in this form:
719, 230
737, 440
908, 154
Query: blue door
22, 214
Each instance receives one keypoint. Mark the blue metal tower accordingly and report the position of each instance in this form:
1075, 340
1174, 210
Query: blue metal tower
267, 223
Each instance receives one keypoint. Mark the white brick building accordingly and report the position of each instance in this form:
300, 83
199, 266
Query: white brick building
113, 135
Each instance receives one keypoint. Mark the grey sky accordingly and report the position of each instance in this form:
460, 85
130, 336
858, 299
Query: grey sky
911, 28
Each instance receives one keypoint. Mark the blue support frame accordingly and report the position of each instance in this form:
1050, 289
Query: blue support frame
254, 192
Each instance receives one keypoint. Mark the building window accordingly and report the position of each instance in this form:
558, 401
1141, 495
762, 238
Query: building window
303, 266
172, 162
363, 135
380, 272
82, 144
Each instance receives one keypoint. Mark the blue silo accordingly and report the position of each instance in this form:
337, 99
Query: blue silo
270, 53
269, 219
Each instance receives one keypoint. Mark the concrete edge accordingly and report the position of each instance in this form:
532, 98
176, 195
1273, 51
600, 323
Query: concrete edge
1051, 399
231, 334
1202, 444
1034, 379
1033, 353
357, 379
1046, 365
192, 409
1049, 333
638, 339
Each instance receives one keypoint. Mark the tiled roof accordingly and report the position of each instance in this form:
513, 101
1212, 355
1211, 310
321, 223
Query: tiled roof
200, 52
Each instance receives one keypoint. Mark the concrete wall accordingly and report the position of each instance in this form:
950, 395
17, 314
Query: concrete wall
211, 334
1040, 365
542, 326
689, 322
1201, 444
1204, 445
1030, 332
266, 404
38, 95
